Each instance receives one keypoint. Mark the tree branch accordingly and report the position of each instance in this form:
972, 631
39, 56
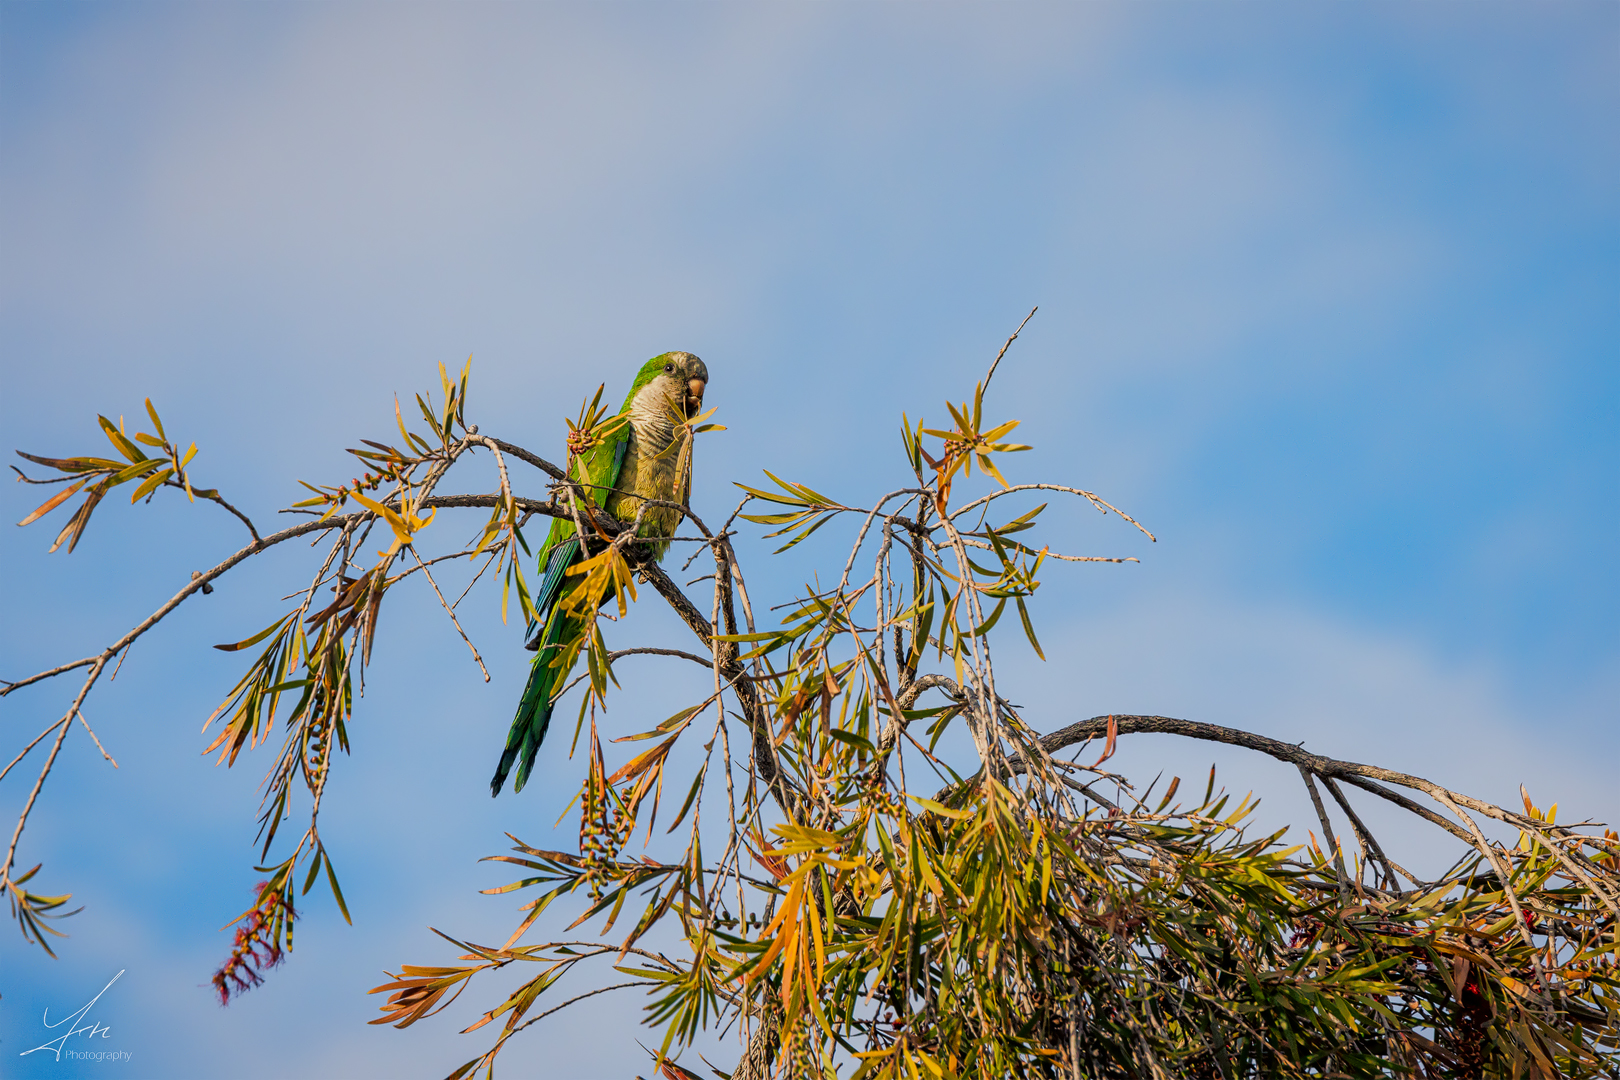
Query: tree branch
1364, 835
1362, 776
732, 670
523, 455
1327, 834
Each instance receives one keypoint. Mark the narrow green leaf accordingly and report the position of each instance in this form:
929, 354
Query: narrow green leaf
337, 893
697, 783
995, 615
849, 738
1029, 628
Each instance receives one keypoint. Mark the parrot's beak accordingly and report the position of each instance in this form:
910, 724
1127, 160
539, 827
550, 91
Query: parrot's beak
694, 397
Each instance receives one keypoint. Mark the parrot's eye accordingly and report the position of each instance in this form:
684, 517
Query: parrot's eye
669, 369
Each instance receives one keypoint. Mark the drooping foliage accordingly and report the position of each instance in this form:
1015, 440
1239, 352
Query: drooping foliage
874, 864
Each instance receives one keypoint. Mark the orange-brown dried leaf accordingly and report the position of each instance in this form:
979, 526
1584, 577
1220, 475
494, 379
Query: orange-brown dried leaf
53, 502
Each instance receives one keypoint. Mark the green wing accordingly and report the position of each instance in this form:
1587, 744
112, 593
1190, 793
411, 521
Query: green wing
561, 549
603, 464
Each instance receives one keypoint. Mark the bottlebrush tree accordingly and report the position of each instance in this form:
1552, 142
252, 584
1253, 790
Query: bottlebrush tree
876, 904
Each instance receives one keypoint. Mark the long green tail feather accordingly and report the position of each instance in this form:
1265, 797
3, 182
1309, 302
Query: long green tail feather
534, 709
557, 562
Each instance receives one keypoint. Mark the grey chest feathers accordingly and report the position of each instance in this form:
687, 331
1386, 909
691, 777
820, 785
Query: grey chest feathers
657, 464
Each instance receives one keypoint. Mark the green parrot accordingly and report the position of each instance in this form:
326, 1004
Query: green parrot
641, 460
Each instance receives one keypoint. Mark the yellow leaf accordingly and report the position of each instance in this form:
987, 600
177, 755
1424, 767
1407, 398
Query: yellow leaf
150, 411
116, 437
940, 808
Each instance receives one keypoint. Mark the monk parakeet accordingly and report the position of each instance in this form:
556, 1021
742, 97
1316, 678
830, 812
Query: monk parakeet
641, 460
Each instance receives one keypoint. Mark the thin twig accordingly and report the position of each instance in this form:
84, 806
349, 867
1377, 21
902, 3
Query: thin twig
1363, 834
20, 683
500, 462
1005, 347
80, 714
50, 762
215, 498
1102, 505
649, 651
582, 997
475, 577
523, 455
37, 740
448, 610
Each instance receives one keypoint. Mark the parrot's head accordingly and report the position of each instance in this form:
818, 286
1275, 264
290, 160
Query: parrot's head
675, 380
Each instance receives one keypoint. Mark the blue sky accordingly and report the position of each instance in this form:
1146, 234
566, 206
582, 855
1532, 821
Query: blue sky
1328, 301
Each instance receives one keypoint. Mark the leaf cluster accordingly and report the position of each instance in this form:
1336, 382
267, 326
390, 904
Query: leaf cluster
100, 475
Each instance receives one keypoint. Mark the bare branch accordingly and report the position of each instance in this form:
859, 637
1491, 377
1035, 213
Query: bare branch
906, 699
1102, 505
1327, 833
1363, 776
215, 498
581, 997
1364, 836
20, 683
37, 740
523, 455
